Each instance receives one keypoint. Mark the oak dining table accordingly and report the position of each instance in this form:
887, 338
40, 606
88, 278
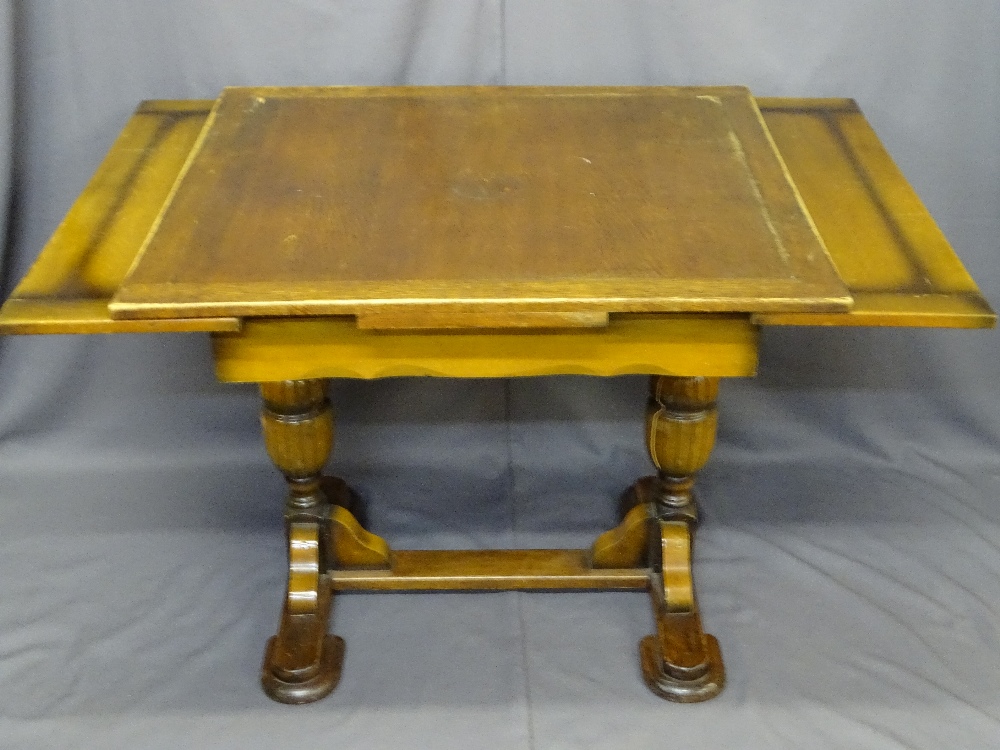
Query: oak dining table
468, 232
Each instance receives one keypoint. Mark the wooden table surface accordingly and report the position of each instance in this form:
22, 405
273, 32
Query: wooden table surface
896, 263
449, 206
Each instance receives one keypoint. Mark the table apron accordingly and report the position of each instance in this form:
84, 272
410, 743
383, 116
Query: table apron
309, 348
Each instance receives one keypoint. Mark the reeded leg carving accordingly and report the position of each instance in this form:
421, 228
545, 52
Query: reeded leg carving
302, 662
680, 662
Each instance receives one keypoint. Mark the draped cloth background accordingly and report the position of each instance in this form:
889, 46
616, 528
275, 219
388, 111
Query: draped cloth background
849, 559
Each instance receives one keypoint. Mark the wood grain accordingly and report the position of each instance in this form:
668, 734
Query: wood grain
681, 422
491, 200
490, 570
897, 265
297, 422
895, 260
724, 346
68, 288
626, 545
302, 662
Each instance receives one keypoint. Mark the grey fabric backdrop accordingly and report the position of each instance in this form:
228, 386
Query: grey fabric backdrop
850, 557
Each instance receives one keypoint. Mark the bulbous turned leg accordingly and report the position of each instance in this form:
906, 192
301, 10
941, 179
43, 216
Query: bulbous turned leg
302, 662
680, 662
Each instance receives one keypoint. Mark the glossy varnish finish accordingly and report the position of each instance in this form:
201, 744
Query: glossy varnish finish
277, 349
69, 286
404, 202
887, 248
680, 662
491, 570
302, 662
650, 550
468, 232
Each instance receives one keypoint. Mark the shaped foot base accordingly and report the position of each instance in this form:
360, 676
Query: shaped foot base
696, 685
311, 688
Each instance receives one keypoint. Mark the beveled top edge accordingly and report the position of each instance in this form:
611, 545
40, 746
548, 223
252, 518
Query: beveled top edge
806, 104
300, 92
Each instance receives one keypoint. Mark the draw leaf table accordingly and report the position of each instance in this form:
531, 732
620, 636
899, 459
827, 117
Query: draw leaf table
353, 232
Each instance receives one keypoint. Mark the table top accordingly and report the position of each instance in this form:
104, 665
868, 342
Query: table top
897, 264
416, 206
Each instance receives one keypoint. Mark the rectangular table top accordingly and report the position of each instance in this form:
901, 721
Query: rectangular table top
410, 204
895, 261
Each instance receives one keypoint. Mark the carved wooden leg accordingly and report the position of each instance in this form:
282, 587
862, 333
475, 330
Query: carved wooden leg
302, 662
680, 662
